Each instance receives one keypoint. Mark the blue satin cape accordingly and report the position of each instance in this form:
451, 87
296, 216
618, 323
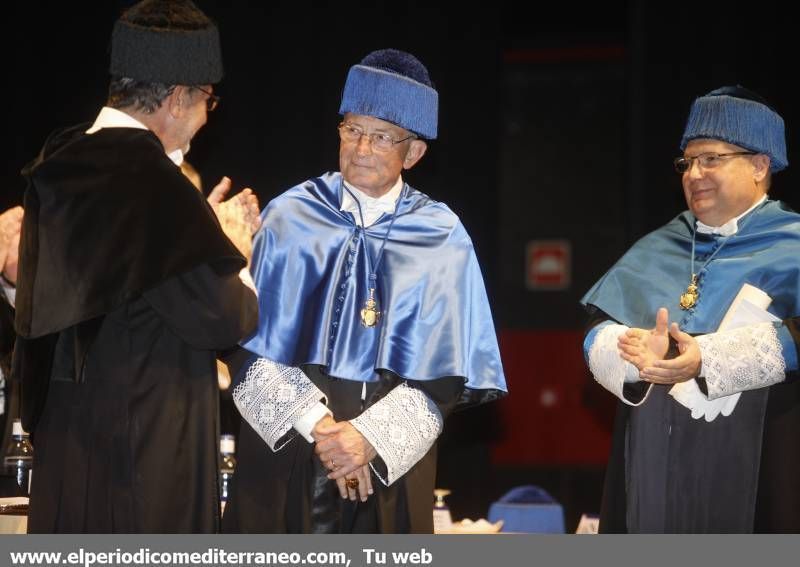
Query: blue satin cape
765, 253
312, 281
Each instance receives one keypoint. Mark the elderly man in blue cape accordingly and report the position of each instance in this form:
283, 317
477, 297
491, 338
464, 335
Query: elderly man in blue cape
711, 448
374, 324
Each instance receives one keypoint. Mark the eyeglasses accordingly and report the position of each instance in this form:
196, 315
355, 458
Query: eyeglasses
379, 141
706, 160
212, 101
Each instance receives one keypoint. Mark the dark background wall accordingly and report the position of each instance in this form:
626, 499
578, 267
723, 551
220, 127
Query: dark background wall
557, 125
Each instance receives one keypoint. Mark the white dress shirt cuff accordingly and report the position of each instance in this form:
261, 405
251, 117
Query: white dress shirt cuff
272, 397
305, 424
9, 290
247, 279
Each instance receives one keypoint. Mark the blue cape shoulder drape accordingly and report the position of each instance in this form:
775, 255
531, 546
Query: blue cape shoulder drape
312, 280
765, 253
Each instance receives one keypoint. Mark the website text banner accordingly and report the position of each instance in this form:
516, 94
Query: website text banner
394, 551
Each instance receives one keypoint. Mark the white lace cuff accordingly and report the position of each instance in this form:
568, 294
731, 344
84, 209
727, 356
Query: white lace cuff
272, 397
609, 369
401, 427
746, 358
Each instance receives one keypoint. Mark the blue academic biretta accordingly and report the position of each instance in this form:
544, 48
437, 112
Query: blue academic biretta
394, 86
740, 117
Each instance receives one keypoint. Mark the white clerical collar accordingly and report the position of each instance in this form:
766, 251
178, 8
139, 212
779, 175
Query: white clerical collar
371, 207
113, 118
730, 227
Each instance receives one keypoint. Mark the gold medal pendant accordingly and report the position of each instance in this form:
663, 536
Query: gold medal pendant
692, 294
689, 298
370, 314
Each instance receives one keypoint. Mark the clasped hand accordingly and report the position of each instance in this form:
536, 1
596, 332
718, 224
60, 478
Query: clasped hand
346, 453
239, 216
646, 349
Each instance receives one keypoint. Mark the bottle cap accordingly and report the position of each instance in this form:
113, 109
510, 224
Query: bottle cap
440, 493
227, 444
17, 428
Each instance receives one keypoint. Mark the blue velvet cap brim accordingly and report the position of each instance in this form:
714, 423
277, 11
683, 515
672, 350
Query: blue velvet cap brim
745, 123
391, 97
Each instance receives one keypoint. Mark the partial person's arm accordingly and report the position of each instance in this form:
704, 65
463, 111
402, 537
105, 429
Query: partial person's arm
394, 433
238, 216
602, 354
278, 401
10, 227
205, 308
747, 358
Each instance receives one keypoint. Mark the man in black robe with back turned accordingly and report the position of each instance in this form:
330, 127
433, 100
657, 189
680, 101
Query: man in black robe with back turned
127, 289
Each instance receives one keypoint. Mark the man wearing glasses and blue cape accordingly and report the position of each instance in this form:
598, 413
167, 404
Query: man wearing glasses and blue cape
706, 434
374, 324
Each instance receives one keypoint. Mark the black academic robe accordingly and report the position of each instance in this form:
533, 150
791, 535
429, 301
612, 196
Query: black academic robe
777, 499
127, 289
778, 502
132, 448
287, 491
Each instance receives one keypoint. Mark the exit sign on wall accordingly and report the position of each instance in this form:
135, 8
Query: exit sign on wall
547, 264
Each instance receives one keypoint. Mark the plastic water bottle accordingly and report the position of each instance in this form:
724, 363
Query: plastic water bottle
227, 468
19, 458
442, 521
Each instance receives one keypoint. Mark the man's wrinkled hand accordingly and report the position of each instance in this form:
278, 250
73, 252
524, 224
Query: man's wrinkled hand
325, 432
364, 488
324, 422
342, 446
